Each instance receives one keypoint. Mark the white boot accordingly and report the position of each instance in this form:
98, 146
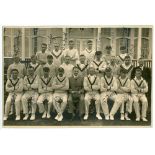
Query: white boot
26, 117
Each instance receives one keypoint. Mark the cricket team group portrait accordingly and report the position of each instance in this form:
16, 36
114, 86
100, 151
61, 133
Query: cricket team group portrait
94, 76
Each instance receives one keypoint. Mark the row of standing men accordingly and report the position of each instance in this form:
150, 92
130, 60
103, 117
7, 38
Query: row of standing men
92, 71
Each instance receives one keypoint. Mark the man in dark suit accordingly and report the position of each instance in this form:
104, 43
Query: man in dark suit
76, 94
147, 75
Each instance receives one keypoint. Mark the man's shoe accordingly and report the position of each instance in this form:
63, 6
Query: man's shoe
60, 118
85, 117
32, 117
107, 117
122, 117
56, 117
126, 117
17, 118
26, 117
44, 115
144, 119
112, 117
48, 115
98, 116
137, 119
5, 118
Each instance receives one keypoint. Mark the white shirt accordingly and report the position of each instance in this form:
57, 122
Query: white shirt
92, 78
99, 65
68, 68
73, 53
89, 54
42, 56
57, 57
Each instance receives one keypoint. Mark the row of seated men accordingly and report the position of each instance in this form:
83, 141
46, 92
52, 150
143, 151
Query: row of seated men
69, 58
78, 92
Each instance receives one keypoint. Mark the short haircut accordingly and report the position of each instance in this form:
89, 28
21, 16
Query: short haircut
108, 69
127, 57
44, 44
49, 57
67, 56
82, 55
14, 70
60, 69
75, 67
30, 67
46, 69
89, 41
108, 47
71, 41
98, 53
138, 69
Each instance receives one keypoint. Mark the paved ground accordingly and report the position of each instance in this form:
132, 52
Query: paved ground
92, 121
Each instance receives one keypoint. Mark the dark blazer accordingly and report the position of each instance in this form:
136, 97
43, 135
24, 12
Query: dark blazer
76, 84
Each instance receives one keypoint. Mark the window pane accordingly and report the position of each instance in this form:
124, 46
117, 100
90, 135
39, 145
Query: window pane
7, 47
145, 32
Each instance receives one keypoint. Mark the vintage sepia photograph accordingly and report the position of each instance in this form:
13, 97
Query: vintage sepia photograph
78, 76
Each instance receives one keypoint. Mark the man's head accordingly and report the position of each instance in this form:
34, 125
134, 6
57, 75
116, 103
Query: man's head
30, 71
56, 46
123, 49
43, 47
16, 58
60, 71
122, 73
108, 72
82, 59
91, 70
50, 59
33, 59
67, 59
46, 71
14, 73
75, 71
71, 44
113, 60
141, 62
138, 73
108, 49
89, 44
98, 55
127, 60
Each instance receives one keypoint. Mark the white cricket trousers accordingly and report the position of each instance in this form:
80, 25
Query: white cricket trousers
17, 103
60, 107
25, 98
104, 99
88, 97
136, 104
41, 98
119, 102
